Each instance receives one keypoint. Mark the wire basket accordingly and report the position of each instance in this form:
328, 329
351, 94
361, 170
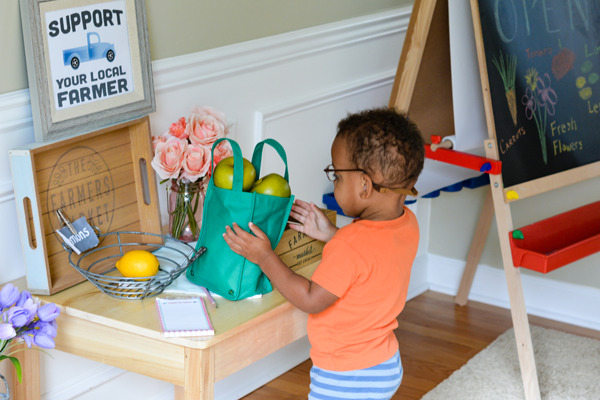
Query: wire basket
97, 265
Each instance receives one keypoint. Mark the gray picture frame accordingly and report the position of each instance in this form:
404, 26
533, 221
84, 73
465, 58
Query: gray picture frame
49, 121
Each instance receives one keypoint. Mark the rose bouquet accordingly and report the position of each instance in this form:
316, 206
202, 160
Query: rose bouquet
24, 319
182, 156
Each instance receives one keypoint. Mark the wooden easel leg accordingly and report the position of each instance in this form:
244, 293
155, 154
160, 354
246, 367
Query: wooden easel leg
515, 288
522, 333
477, 244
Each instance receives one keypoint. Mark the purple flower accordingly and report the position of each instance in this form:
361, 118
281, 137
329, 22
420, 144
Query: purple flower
528, 100
7, 332
30, 306
27, 338
18, 316
43, 340
547, 94
48, 312
25, 295
8, 295
49, 328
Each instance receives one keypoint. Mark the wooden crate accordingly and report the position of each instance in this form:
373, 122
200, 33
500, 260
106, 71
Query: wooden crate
297, 249
104, 175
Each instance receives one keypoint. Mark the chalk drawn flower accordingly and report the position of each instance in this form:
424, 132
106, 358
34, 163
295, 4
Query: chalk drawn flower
539, 101
531, 78
528, 100
547, 95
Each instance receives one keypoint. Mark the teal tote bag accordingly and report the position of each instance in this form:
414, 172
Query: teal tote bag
221, 270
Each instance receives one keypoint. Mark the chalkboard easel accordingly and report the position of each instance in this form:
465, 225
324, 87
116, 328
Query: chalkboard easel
541, 147
537, 79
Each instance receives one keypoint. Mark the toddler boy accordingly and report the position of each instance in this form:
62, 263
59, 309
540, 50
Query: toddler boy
361, 283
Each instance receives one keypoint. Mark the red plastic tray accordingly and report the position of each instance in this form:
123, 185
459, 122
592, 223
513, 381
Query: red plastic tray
557, 241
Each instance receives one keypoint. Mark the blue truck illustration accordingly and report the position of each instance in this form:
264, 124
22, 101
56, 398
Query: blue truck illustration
94, 50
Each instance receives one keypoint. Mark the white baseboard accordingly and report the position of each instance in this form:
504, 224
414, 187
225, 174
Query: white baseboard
560, 301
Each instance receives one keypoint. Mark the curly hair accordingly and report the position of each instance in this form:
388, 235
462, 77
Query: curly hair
384, 140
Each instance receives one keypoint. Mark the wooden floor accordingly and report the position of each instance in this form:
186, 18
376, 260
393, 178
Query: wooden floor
436, 338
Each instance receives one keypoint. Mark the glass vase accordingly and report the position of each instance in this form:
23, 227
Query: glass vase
4, 395
185, 203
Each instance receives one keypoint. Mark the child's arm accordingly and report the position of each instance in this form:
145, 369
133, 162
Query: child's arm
301, 292
312, 221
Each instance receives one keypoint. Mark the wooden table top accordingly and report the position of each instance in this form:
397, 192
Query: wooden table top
87, 302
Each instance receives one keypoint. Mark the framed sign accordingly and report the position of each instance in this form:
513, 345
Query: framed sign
88, 63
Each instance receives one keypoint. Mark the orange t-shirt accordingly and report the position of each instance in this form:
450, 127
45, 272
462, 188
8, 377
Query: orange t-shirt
367, 265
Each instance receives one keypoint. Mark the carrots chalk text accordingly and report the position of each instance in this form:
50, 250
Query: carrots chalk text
505, 145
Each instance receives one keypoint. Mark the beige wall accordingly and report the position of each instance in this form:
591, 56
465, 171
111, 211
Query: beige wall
179, 27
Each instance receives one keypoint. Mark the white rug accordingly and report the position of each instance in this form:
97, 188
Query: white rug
568, 368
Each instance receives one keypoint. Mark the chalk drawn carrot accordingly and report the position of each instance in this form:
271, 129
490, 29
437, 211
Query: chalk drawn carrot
507, 71
539, 101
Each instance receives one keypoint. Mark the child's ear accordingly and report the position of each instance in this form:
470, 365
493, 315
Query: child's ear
367, 187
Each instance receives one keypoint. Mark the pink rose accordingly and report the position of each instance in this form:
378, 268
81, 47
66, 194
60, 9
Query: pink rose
206, 125
177, 129
158, 139
196, 163
168, 158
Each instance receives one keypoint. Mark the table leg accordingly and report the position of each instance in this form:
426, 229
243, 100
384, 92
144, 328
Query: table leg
29, 388
199, 379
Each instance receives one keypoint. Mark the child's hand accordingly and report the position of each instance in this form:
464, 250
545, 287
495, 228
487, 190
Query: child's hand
313, 221
255, 247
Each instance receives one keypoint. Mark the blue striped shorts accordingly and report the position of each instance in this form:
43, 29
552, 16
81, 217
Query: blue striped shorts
379, 382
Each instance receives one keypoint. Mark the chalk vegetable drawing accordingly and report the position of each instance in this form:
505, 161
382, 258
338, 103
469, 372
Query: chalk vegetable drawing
539, 100
585, 92
94, 50
562, 63
507, 71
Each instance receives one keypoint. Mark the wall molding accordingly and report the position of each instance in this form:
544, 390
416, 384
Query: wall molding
15, 111
6, 192
222, 62
319, 99
560, 301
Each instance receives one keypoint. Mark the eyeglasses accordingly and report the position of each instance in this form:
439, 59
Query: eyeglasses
331, 175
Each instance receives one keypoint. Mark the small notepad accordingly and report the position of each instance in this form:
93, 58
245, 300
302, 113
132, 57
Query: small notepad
184, 317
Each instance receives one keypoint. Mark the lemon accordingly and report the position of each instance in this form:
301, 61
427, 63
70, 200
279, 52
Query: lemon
137, 263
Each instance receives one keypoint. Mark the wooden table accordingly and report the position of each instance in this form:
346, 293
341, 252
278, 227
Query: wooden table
127, 334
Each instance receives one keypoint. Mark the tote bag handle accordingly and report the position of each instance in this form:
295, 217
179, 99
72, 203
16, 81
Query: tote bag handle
257, 155
238, 163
